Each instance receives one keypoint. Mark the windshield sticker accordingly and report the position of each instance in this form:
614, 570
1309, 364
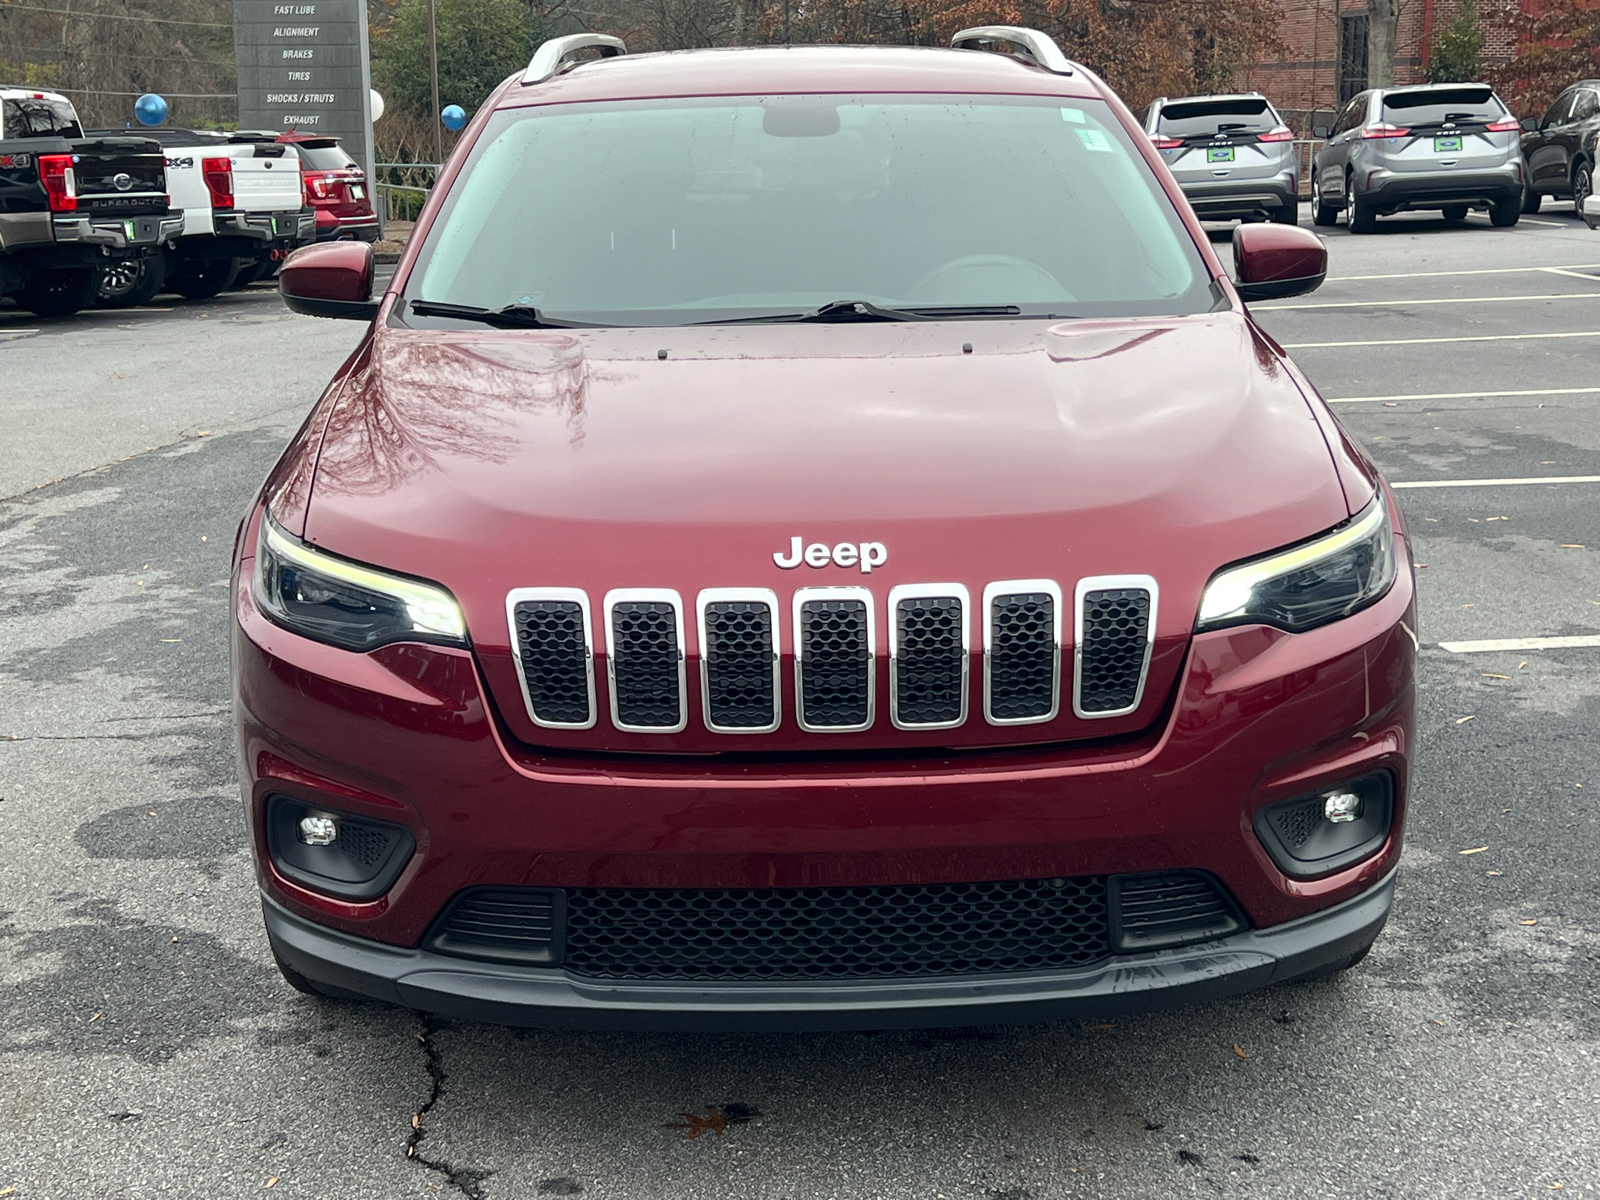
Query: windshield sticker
1093, 139
1075, 115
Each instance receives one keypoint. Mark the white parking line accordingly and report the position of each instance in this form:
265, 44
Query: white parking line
1464, 395
1538, 643
1434, 300
1549, 479
1433, 341
1568, 271
1475, 271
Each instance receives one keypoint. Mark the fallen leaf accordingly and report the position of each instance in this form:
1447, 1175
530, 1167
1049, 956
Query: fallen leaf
1495, 518
1522, 664
1438, 1022
1474, 520
416, 1120
273, 1182
694, 1126
205, 433
1389, 404
7, 1191
1572, 545
1464, 720
1496, 872
1487, 675
1474, 850
172, 639
1239, 1050
150, 813
1529, 921
1089, 1027
96, 1017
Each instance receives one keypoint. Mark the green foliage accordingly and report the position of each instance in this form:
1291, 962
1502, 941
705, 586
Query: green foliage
1454, 57
480, 43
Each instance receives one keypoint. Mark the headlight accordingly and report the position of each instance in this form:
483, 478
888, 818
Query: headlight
345, 605
1310, 584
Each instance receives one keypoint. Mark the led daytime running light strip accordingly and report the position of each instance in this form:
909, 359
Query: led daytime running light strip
430, 609
1229, 594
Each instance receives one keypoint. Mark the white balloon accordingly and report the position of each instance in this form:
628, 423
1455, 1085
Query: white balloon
377, 103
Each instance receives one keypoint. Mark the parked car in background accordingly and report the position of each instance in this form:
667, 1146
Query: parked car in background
1233, 156
336, 188
1451, 147
1559, 146
243, 209
71, 206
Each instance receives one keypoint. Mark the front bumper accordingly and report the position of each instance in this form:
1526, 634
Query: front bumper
1390, 191
118, 233
552, 998
1229, 199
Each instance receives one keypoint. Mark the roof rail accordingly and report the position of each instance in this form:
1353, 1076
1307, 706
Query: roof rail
549, 58
1030, 45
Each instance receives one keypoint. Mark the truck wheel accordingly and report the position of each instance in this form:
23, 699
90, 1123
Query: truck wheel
60, 293
130, 282
204, 279
1505, 213
1531, 199
1582, 184
1322, 213
1362, 218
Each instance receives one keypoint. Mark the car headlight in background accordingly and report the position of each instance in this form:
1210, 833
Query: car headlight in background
1310, 584
343, 604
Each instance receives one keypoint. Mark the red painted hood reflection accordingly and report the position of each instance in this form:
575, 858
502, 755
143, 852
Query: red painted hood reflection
489, 460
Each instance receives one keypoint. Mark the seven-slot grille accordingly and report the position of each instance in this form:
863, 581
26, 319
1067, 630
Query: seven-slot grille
835, 655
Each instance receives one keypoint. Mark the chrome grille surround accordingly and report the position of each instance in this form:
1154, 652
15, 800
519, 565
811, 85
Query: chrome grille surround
1106, 583
720, 596
1002, 589
555, 595
926, 591
643, 596
858, 595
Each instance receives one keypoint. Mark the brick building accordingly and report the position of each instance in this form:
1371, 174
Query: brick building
1328, 41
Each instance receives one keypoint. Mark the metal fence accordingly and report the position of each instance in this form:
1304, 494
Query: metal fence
399, 190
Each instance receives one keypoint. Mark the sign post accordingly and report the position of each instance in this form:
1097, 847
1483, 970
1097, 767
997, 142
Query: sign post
304, 66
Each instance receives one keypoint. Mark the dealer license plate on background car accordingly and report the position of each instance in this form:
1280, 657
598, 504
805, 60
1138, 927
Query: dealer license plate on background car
1219, 153
1447, 145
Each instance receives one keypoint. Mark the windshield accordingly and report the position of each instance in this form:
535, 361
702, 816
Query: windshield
38, 118
1438, 105
684, 211
1205, 118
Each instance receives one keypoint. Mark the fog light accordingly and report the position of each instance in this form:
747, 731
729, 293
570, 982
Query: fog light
1328, 830
1339, 807
321, 831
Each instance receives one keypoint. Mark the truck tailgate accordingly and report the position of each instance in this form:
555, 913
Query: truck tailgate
266, 184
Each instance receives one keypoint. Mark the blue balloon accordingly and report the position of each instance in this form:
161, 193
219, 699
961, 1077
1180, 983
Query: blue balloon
453, 116
150, 109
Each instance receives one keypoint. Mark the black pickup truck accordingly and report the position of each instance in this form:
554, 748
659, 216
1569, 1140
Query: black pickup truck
69, 204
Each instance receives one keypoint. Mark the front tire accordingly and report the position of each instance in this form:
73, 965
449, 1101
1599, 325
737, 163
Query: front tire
1503, 214
1531, 199
1322, 213
1582, 185
131, 282
1362, 218
60, 293
205, 278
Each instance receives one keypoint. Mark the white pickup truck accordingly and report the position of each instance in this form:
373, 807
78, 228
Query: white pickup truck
243, 207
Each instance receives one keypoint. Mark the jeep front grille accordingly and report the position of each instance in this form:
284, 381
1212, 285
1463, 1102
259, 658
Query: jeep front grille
739, 660
645, 658
1116, 617
1021, 651
833, 655
928, 656
550, 633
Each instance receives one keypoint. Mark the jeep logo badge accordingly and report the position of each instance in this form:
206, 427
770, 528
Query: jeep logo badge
866, 555
122, 181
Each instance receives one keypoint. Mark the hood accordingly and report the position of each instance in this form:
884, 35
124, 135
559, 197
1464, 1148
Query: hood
694, 458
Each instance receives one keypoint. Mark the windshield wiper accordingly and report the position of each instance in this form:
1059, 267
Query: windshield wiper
512, 316
846, 311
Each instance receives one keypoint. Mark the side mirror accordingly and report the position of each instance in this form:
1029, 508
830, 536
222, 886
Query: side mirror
1272, 261
1530, 124
330, 280
1319, 131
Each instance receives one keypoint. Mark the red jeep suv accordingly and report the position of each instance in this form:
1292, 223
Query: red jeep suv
812, 538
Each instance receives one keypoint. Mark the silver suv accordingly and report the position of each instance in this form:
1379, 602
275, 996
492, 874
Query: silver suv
1232, 155
1449, 146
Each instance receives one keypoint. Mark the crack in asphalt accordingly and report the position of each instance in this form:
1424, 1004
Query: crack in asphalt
468, 1180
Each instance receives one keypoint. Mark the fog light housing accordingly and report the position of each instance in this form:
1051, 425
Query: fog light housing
1330, 829
354, 858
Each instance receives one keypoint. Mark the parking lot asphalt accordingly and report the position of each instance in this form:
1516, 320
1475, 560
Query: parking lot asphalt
149, 1048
